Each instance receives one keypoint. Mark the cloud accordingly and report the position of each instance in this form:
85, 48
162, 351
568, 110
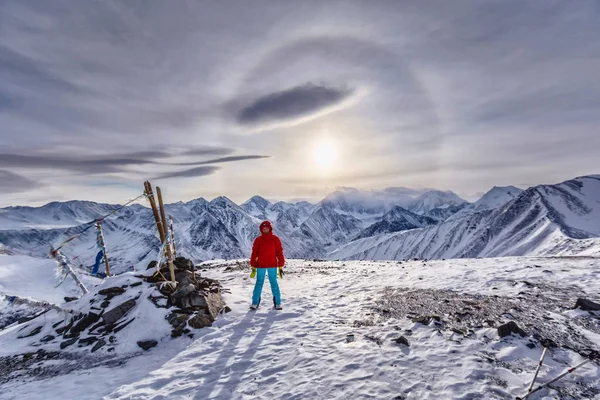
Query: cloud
190, 173
77, 164
224, 160
13, 183
115, 162
299, 101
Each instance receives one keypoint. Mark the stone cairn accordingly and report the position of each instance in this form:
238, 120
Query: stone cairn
197, 300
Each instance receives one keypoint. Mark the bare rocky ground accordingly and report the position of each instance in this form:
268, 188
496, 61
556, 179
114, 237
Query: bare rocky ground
536, 315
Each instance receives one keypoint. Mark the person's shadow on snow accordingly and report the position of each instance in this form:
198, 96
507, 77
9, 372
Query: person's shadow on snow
245, 362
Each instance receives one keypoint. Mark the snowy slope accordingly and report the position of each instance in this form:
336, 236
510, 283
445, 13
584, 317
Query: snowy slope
52, 215
396, 220
434, 199
36, 279
543, 220
302, 352
496, 197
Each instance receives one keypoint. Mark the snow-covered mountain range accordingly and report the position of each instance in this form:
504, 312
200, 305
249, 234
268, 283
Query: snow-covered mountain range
393, 224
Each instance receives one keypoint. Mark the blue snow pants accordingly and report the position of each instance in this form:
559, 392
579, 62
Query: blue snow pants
260, 280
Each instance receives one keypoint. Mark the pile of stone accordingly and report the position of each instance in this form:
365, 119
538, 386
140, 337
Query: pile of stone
197, 300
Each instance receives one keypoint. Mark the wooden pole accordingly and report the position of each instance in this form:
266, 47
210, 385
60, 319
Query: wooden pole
150, 194
99, 226
166, 232
162, 212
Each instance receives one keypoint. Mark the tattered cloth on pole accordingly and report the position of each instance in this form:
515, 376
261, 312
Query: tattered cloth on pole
101, 250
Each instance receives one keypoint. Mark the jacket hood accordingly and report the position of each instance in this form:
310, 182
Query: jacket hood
267, 224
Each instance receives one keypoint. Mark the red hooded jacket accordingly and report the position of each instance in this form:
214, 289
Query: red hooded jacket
267, 251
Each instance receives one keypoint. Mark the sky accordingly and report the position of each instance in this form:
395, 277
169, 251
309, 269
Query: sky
293, 99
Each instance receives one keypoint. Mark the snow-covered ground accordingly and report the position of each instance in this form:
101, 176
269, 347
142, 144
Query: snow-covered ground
36, 279
302, 351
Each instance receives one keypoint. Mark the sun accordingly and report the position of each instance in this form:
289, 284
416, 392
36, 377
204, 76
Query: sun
326, 154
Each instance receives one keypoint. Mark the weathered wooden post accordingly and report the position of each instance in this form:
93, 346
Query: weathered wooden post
150, 195
166, 234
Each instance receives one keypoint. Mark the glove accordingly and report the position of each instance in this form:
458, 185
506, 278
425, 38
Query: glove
281, 272
253, 273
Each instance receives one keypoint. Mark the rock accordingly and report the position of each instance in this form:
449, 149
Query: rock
147, 344
151, 264
227, 309
88, 340
135, 284
214, 304
587, 305
183, 263
183, 291
67, 343
105, 304
159, 301
111, 292
118, 312
34, 332
402, 340
178, 321
199, 321
98, 345
98, 325
64, 328
89, 319
185, 277
509, 328
47, 338
122, 326
548, 343
422, 320
69, 299
197, 301
185, 303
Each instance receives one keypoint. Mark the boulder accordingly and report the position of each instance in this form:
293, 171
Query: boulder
183, 291
118, 312
47, 338
85, 322
111, 292
510, 328
197, 300
587, 305
147, 344
199, 321
100, 343
34, 332
88, 340
67, 343
183, 263
402, 340
214, 304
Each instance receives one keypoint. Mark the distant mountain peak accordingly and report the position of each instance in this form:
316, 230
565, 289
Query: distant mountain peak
223, 201
496, 197
257, 200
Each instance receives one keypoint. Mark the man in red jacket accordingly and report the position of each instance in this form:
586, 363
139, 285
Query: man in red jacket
267, 256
